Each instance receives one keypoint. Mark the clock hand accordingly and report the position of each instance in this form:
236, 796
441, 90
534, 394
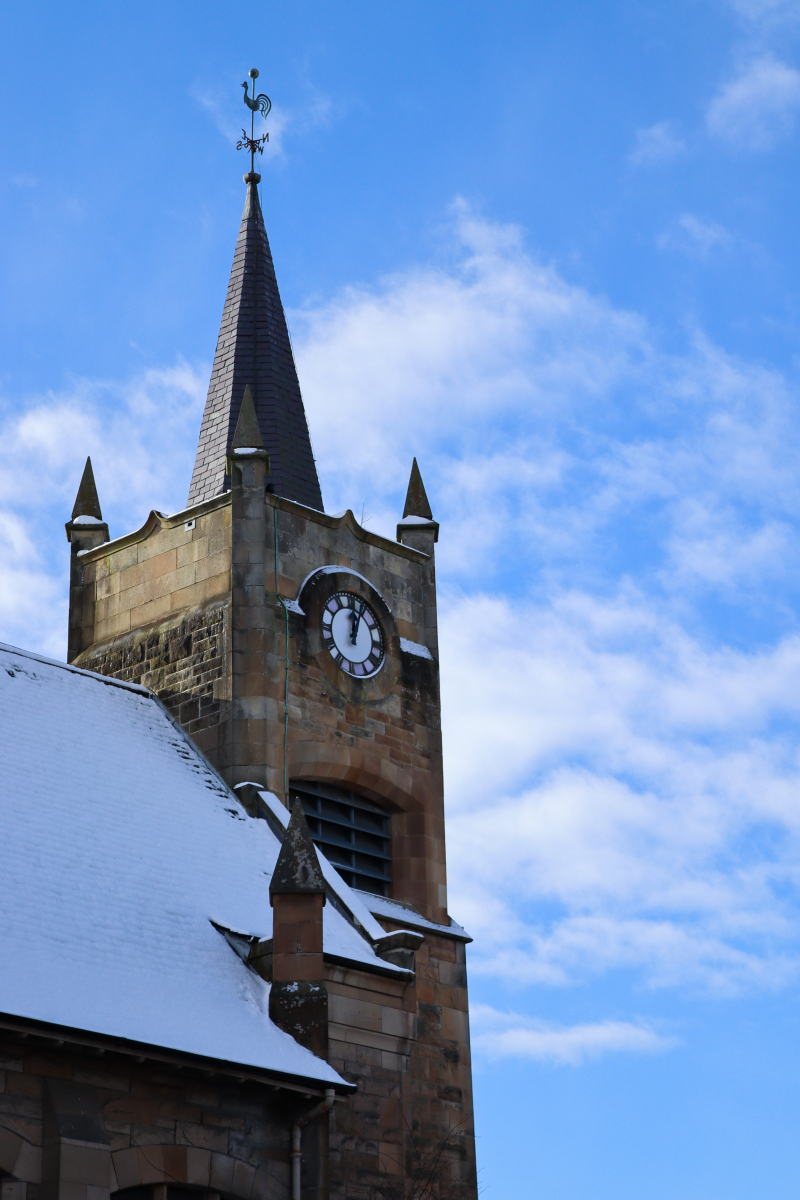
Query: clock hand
357, 615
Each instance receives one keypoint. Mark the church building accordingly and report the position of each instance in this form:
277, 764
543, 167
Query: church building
227, 966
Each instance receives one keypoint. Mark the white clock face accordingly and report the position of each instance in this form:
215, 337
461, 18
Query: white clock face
352, 634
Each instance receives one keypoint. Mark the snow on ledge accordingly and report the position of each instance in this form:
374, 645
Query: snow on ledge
415, 648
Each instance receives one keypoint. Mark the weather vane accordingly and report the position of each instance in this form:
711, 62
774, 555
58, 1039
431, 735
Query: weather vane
256, 104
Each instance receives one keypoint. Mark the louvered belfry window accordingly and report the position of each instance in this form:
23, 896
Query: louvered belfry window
352, 833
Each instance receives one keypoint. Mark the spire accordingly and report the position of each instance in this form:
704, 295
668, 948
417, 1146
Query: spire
87, 503
297, 868
254, 351
416, 501
85, 529
247, 435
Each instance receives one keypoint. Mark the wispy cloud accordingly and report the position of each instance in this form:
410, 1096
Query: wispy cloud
509, 1035
659, 143
695, 237
635, 786
229, 118
141, 436
758, 108
769, 13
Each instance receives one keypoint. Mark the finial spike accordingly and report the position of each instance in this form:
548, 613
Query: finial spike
297, 868
87, 503
416, 500
247, 433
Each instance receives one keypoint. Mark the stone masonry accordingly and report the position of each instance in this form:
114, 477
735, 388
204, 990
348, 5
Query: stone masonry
208, 575
181, 659
81, 1122
407, 1047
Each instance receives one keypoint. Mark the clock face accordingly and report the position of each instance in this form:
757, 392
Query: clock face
352, 634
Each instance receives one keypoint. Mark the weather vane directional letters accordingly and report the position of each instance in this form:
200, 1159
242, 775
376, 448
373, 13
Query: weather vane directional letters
256, 104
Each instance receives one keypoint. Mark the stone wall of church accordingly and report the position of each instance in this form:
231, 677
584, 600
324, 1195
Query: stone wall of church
168, 567
407, 1047
74, 1126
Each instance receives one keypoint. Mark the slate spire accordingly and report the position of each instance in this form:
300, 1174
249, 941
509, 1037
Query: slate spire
253, 350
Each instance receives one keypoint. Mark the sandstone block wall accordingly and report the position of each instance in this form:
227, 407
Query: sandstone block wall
381, 737
161, 570
153, 1125
407, 1047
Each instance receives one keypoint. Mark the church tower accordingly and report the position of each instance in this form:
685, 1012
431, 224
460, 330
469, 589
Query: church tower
299, 651
240, 613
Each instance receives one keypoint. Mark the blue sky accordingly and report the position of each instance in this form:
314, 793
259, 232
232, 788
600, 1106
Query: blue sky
553, 251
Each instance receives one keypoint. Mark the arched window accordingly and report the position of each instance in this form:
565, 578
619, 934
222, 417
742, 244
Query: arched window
353, 833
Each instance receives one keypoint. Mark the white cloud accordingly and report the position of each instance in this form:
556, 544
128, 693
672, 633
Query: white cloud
659, 143
767, 12
141, 436
425, 358
695, 237
508, 1035
601, 761
758, 108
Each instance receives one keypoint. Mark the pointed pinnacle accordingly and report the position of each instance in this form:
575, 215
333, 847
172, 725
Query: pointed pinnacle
87, 503
297, 868
416, 501
247, 433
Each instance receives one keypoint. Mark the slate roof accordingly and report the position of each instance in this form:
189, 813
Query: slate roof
121, 845
254, 349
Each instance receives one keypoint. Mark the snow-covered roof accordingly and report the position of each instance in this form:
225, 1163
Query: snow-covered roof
121, 845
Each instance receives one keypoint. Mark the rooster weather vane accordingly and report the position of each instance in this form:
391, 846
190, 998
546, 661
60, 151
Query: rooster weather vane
256, 104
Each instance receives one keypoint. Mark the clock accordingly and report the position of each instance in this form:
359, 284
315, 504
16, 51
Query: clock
352, 635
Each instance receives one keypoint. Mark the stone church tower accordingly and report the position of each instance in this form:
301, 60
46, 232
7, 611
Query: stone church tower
299, 651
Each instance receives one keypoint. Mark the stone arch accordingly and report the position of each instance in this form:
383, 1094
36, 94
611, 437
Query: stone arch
188, 1166
361, 770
